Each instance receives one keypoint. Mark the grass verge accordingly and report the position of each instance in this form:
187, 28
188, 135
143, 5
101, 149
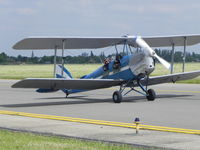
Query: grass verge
29, 141
78, 70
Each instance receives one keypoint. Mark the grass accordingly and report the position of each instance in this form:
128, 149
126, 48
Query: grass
42, 71
160, 70
10, 140
78, 70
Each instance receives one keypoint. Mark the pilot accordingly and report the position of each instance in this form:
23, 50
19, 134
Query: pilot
117, 63
106, 64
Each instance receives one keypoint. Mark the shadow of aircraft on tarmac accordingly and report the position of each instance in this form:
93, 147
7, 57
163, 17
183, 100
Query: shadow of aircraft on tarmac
85, 100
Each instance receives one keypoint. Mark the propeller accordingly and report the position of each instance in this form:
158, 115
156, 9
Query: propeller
150, 52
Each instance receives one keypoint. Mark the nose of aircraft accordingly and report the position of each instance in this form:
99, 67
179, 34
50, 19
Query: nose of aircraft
149, 65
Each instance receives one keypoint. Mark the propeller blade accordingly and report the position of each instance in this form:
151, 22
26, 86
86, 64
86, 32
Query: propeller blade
150, 52
147, 49
163, 62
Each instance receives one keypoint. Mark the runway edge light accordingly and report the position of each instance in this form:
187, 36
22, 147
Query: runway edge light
137, 123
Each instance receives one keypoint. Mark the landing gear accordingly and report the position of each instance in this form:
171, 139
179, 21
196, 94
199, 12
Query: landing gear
151, 95
117, 97
67, 93
142, 82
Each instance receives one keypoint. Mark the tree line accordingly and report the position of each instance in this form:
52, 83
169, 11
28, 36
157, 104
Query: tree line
178, 56
86, 58
81, 59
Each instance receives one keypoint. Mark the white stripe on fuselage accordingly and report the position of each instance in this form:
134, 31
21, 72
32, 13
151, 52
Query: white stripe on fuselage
112, 73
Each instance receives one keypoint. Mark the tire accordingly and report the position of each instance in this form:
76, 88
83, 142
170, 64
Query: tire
151, 95
117, 97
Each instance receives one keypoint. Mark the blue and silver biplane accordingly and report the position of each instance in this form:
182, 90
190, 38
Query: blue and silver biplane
128, 71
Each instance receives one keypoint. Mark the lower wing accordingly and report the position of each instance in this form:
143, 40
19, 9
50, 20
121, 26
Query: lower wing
60, 83
171, 78
91, 84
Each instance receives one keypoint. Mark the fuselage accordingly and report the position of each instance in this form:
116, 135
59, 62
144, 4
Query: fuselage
129, 67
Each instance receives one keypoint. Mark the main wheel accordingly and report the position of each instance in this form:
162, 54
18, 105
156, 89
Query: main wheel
117, 97
151, 95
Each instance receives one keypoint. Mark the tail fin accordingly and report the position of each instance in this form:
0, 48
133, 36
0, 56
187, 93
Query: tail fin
66, 73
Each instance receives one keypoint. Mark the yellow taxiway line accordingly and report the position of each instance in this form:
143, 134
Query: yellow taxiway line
102, 122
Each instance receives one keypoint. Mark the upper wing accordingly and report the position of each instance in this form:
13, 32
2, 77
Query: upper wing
59, 83
177, 40
100, 42
171, 78
70, 42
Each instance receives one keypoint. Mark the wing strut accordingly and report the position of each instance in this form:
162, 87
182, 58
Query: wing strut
63, 47
172, 59
184, 53
55, 56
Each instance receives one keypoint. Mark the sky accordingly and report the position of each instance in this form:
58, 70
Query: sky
23, 18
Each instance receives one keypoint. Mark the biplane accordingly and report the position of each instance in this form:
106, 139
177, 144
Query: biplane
130, 71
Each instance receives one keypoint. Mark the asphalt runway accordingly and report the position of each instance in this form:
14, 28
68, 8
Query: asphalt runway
177, 105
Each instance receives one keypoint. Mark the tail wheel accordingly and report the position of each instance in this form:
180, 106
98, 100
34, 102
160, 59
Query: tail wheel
151, 95
66, 92
117, 97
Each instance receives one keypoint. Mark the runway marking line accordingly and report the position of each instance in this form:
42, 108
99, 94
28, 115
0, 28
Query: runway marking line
101, 122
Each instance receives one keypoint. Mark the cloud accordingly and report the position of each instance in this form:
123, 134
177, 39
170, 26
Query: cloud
96, 18
26, 11
154, 7
5, 2
147, 8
